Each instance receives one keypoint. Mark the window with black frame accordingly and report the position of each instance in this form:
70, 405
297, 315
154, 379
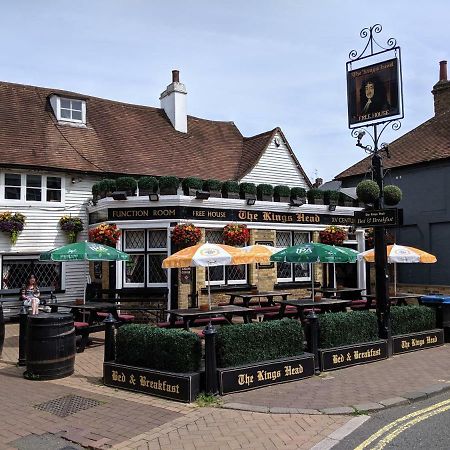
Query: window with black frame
17, 269
146, 249
225, 275
289, 272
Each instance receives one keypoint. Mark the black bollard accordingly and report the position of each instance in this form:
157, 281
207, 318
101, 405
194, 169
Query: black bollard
23, 318
210, 360
110, 339
313, 338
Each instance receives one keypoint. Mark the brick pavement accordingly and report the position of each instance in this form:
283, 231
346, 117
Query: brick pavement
128, 420
392, 377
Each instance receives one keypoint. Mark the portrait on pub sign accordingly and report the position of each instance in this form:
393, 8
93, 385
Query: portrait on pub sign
373, 92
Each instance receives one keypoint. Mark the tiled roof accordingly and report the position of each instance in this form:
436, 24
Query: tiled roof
119, 138
430, 141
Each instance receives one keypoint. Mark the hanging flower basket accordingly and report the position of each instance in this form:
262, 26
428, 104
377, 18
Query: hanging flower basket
12, 223
186, 234
333, 235
106, 234
71, 226
236, 234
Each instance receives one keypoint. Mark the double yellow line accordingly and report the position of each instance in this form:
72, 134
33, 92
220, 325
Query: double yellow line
389, 432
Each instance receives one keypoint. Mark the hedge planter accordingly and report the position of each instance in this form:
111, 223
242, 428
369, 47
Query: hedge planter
417, 341
352, 355
168, 185
182, 387
265, 373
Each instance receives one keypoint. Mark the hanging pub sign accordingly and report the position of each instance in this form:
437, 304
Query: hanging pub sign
374, 92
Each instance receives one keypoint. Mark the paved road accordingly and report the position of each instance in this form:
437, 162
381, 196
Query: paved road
422, 425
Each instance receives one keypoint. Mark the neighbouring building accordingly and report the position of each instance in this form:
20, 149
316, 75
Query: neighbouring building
55, 145
419, 164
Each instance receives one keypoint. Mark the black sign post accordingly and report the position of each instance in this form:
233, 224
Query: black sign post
365, 85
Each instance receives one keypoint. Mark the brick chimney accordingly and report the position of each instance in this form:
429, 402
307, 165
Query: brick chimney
441, 91
173, 101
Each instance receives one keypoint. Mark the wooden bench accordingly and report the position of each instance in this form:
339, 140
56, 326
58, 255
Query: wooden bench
83, 329
197, 322
12, 303
135, 300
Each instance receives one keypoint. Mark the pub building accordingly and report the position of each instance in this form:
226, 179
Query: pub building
146, 237
55, 145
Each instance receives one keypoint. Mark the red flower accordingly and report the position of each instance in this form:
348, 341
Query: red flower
236, 234
333, 235
106, 234
186, 234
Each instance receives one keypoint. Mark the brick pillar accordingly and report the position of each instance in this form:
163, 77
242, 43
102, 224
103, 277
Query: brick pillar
264, 279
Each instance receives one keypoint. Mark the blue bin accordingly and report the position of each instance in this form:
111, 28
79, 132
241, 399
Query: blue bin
442, 305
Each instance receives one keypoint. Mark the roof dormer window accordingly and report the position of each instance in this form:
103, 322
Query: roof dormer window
69, 110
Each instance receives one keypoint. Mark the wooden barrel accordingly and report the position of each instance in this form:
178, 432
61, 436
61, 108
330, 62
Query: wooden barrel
50, 346
2, 329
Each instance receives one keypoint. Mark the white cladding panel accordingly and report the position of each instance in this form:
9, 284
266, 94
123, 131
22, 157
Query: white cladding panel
276, 166
42, 232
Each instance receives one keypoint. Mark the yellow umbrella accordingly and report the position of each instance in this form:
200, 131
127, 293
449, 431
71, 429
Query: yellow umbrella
207, 255
260, 253
400, 254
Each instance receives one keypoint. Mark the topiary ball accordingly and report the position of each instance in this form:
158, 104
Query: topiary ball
392, 195
368, 191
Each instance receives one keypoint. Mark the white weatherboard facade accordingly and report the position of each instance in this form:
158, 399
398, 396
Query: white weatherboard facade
276, 166
42, 231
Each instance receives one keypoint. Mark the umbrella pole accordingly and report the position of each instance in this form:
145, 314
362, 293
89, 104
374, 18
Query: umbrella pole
395, 278
334, 275
209, 292
312, 281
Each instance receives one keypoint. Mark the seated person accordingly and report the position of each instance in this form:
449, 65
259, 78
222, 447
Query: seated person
30, 294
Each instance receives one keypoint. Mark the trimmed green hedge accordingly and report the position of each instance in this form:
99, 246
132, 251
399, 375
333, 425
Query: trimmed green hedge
172, 350
259, 341
346, 328
412, 319
230, 186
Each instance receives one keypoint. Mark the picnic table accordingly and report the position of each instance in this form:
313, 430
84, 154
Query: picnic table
344, 293
247, 297
190, 315
324, 305
399, 299
90, 323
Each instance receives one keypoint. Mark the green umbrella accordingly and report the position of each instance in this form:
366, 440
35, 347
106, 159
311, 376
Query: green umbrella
312, 252
84, 251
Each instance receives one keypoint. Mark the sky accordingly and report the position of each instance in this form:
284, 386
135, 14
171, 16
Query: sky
260, 64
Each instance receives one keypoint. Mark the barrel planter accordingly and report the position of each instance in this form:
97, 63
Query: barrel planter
50, 346
2, 329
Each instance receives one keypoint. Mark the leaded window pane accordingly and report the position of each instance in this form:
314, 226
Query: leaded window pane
237, 273
284, 270
134, 269
283, 239
156, 274
134, 239
213, 237
16, 272
216, 273
157, 239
